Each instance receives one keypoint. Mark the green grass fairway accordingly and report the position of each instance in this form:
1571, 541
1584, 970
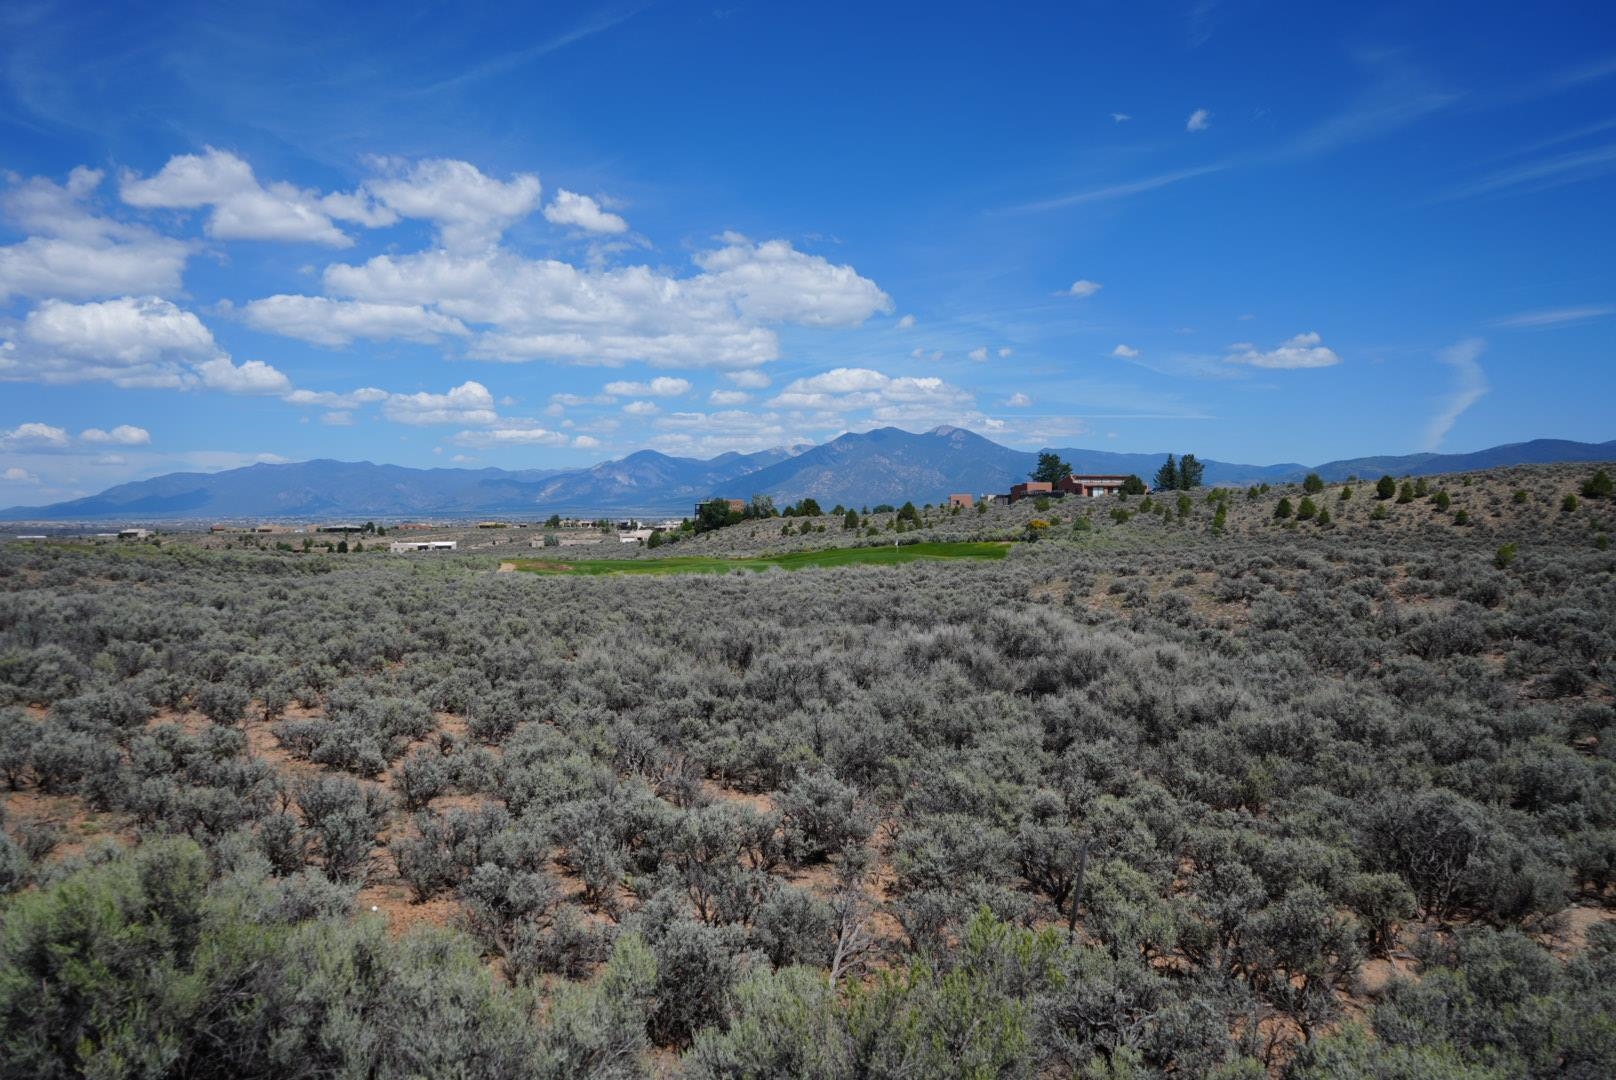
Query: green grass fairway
795, 560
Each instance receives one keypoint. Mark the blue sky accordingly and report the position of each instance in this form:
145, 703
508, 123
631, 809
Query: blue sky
443, 235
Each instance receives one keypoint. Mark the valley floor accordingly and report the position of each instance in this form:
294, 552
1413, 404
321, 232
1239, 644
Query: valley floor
1332, 800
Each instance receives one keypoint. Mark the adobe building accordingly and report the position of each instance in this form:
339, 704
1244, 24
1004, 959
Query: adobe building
1092, 485
1031, 489
960, 502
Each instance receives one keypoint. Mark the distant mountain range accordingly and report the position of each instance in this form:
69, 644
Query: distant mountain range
885, 465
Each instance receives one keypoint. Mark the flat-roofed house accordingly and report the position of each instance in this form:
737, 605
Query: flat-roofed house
1031, 489
1092, 485
962, 502
401, 546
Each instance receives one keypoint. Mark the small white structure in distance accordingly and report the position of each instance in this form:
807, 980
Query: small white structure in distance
401, 546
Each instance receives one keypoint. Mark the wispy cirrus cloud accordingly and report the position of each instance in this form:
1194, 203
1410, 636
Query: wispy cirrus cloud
1551, 172
1538, 320
1469, 387
1117, 191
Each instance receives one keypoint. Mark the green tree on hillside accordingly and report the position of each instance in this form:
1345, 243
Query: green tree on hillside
1166, 478
715, 514
1598, 486
1189, 472
1051, 469
1385, 487
1132, 486
1313, 484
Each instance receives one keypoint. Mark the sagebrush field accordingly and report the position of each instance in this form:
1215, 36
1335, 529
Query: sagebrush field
1334, 799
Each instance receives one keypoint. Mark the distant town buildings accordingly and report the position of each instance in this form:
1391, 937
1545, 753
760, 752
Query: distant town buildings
961, 502
402, 546
133, 534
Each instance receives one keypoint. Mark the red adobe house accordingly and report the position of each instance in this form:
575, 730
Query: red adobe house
962, 502
1030, 489
1091, 486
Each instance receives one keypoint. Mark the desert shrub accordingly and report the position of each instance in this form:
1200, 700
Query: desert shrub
15, 867
697, 969
499, 900
422, 775
1598, 486
17, 735
344, 816
223, 703
821, 816
123, 968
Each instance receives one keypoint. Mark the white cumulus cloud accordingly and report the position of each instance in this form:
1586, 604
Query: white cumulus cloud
1199, 120
509, 436
583, 212
73, 253
1125, 352
1084, 288
241, 207
130, 341
749, 380
469, 403
323, 321
122, 435
34, 436
1301, 351
545, 309
661, 386
469, 209
252, 377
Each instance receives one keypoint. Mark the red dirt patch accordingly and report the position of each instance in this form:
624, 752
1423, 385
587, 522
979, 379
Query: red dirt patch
1572, 935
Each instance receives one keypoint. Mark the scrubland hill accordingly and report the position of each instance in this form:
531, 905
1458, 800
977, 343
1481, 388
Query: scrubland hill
1333, 800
